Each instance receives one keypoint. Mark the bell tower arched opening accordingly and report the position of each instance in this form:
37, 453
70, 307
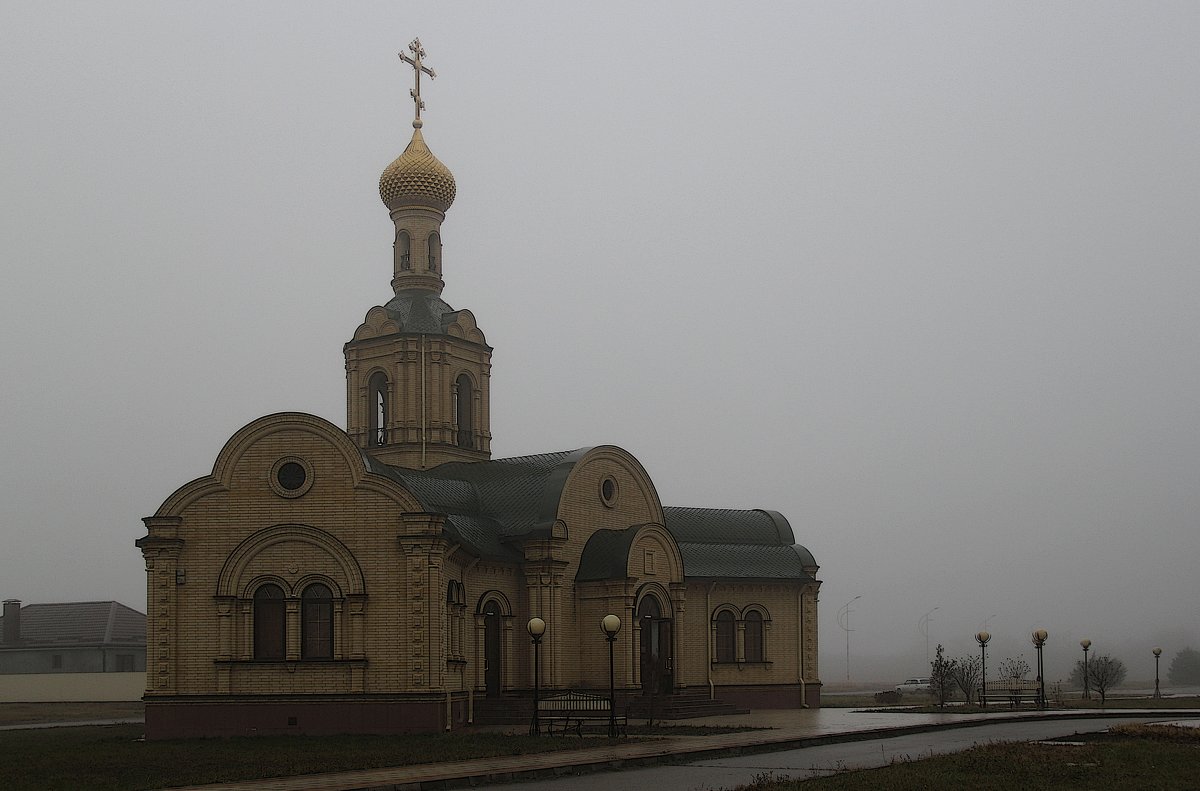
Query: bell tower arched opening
464, 407
377, 408
403, 251
435, 252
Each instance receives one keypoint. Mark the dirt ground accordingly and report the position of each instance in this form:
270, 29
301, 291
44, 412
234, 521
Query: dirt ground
32, 713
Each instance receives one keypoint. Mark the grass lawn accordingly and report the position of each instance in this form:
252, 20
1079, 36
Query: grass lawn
925, 705
1072, 704
1134, 757
114, 757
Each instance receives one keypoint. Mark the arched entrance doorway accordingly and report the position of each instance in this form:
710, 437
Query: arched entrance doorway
657, 662
492, 627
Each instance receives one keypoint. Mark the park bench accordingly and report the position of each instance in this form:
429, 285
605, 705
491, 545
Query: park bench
572, 709
1014, 690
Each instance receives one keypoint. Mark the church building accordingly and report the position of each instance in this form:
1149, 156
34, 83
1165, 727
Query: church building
380, 578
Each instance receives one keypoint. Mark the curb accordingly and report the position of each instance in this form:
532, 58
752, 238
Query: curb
687, 755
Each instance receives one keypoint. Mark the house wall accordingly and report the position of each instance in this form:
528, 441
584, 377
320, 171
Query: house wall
579, 652
788, 675
54, 687
504, 583
357, 533
91, 659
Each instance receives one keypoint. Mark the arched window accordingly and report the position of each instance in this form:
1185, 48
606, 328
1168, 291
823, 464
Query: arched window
463, 403
377, 407
726, 637
270, 623
456, 601
316, 622
404, 250
754, 636
435, 251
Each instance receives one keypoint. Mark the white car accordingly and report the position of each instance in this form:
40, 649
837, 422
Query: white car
914, 685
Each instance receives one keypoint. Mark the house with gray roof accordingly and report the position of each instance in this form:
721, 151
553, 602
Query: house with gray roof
72, 637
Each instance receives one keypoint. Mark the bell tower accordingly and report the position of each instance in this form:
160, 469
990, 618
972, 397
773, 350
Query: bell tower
417, 370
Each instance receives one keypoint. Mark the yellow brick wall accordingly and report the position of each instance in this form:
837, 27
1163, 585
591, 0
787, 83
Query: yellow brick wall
390, 567
366, 520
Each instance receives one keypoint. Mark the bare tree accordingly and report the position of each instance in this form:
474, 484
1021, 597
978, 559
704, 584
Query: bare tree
1104, 673
968, 674
941, 676
1013, 667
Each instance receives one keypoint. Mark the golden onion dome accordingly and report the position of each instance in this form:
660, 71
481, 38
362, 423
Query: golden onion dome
417, 178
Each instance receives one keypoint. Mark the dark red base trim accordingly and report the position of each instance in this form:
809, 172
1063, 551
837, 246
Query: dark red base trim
182, 719
771, 696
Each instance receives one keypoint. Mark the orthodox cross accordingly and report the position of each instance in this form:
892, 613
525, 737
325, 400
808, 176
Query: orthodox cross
418, 66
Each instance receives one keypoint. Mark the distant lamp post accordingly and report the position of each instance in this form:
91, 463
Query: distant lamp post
1157, 653
923, 628
1039, 640
610, 625
843, 619
1085, 644
982, 638
537, 628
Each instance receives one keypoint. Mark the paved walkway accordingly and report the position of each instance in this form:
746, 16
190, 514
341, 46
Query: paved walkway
25, 726
789, 729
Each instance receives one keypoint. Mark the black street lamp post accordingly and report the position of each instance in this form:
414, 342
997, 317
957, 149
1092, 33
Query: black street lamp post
843, 619
1157, 654
923, 628
537, 628
982, 638
1039, 640
1087, 691
610, 625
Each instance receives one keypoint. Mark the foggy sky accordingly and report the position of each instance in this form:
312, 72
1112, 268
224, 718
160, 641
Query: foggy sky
923, 277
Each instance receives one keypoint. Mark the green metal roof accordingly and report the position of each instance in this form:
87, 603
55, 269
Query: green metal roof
743, 561
606, 555
488, 503
417, 310
724, 525
722, 542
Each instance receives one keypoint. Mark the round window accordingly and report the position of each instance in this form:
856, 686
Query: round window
608, 491
291, 477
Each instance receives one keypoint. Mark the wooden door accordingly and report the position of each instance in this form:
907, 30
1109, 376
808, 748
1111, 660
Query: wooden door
491, 652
